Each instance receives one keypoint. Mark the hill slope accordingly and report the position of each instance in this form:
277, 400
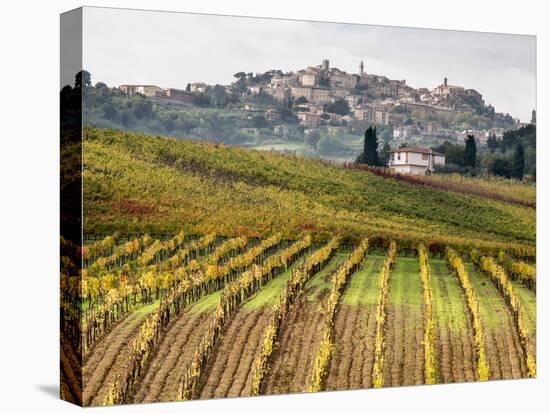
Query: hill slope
135, 183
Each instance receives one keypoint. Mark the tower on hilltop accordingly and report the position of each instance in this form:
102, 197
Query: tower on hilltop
361, 68
325, 64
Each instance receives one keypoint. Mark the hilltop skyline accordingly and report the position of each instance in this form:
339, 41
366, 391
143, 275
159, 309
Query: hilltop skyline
115, 52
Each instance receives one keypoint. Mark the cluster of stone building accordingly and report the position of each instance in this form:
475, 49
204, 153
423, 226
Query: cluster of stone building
153, 91
372, 98
322, 84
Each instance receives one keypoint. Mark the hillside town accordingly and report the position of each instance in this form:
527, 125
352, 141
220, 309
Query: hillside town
323, 96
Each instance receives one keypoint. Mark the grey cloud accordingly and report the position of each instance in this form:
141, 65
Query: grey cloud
172, 49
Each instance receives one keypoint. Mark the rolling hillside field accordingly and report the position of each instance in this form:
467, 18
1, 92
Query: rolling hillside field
141, 183
212, 271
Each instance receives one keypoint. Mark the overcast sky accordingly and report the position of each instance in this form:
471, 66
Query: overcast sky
172, 49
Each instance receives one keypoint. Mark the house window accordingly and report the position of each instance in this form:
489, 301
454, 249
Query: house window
398, 155
424, 156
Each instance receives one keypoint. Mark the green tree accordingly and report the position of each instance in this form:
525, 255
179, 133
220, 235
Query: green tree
109, 111
301, 100
240, 86
454, 154
143, 107
259, 121
492, 142
203, 100
501, 167
369, 155
518, 162
470, 151
385, 154
339, 107
312, 138
82, 79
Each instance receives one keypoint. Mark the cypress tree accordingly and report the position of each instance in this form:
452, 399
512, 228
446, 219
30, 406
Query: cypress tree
363, 156
370, 149
369, 155
518, 162
492, 142
470, 151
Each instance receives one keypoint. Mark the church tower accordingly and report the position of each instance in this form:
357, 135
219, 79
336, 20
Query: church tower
361, 68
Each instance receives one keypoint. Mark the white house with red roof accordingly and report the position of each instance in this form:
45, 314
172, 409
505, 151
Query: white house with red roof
415, 160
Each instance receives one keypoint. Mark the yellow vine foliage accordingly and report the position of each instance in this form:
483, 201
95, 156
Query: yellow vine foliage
260, 364
499, 277
297, 280
129, 248
149, 329
105, 290
233, 295
99, 248
226, 247
455, 262
525, 272
430, 371
320, 363
383, 286
318, 369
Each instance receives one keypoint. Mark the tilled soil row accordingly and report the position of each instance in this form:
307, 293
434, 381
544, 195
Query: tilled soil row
404, 358
455, 353
299, 337
353, 356
504, 353
161, 376
404, 328
230, 369
71, 367
108, 358
166, 366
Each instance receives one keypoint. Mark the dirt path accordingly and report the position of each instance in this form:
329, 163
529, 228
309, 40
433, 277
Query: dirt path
354, 330
404, 357
300, 335
504, 353
109, 357
454, 342
163, 373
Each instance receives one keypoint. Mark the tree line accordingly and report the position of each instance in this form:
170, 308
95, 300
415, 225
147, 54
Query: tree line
512, 157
